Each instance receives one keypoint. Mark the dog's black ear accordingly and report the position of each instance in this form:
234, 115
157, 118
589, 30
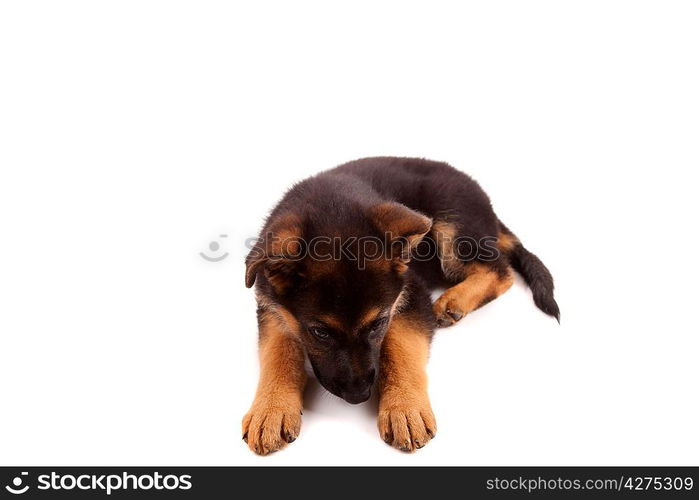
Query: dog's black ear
276, 253
253, 261
403, 227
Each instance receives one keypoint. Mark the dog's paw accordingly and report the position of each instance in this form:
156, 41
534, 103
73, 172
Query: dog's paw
270, 425
407, 427
447, 310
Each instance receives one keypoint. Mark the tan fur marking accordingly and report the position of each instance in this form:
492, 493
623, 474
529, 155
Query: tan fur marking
406, 228
286, 242
275, 251
481, 283
282, 250
369, 316
275, 416
331, 320
401, 221
405, 417
444, 234
288, 321
506, 242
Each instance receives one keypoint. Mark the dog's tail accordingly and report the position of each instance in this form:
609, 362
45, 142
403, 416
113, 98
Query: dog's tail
534, 272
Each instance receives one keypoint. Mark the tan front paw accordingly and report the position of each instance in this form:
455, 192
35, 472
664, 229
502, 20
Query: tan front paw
447, 310
407, 426
271, 424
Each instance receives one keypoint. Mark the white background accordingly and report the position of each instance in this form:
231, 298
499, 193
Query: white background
133, 133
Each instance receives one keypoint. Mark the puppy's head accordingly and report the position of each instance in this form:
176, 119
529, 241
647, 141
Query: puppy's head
338, 284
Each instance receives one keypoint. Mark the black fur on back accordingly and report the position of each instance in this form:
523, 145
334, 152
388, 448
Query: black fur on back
337, 199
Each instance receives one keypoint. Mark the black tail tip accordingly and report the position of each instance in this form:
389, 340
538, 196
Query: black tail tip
556, 314
548, 305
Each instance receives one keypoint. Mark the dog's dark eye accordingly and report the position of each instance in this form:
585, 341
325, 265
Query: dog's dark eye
319, 333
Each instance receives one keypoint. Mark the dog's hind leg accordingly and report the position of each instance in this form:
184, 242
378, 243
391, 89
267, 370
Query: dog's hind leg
477, 282
483, 284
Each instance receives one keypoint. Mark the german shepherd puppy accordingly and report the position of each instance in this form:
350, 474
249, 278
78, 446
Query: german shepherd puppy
344, 267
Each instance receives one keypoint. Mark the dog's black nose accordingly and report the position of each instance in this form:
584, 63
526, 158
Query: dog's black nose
356, 397
358, 389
